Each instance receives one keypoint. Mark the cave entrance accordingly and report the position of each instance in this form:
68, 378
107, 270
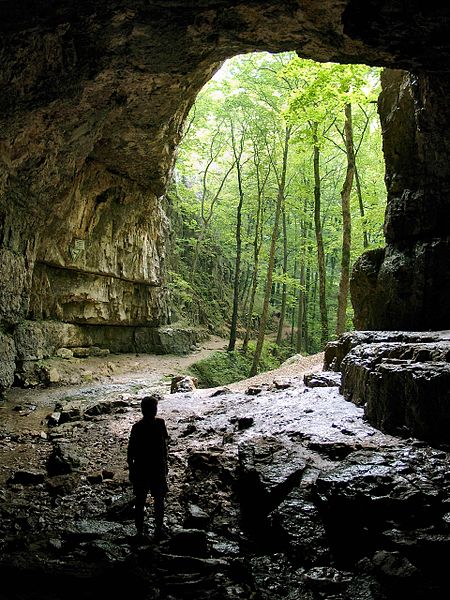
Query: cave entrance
278, 188
93, 103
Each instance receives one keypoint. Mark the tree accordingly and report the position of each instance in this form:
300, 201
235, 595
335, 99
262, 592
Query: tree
346, 222
238, 151
261, 180
280, 198
323, 93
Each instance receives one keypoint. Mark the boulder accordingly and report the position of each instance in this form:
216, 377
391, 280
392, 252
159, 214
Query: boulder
64, 353
244, 422
81, 352
188, 542
400, 377
410, 399
324, 379
336, 351
183, 383
196, 518
64, 459
298, 522
62, 485
27, 477
370, 492
268, 470
327, 580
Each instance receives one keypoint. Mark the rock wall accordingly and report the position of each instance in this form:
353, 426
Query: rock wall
93, 97
402, 379
407, 285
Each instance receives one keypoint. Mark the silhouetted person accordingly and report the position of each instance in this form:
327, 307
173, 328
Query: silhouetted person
147, 462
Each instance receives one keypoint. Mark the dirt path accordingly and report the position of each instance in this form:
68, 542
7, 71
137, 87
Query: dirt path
128, 366
293, 367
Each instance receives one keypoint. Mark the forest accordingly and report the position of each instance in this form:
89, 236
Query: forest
278, 187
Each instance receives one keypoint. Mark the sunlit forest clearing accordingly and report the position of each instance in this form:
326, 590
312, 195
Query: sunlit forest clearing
277, 189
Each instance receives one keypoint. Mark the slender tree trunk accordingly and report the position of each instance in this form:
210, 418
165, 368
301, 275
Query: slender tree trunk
198, 241
307, 295
324, 335
256, 249
332, 260
273, 289
361, 207
284, 287
346, 223
293, 313
246, 292
273, 243
306, 305
237, 265
244, 286
301, 305
252, 300
313, 321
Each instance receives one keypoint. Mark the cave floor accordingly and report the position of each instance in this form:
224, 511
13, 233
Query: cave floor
276, 490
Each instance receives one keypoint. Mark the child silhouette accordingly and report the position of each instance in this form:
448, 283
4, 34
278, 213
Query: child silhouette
147, 463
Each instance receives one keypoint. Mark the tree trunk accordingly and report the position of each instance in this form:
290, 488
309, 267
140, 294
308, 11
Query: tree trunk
301, 306
270, 267
273, 289
284, 288
346, 223
237, 265
257, 241
361, 208
307, 295
324, 335
293, 312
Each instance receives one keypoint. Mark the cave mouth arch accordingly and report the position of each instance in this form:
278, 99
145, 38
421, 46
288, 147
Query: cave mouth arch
93, 100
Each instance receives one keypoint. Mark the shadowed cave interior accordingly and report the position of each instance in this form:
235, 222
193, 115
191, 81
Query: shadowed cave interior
315, 497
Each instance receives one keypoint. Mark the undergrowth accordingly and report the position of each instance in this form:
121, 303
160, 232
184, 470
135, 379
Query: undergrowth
222, 368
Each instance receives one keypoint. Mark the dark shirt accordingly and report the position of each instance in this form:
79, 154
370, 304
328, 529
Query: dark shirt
147, 449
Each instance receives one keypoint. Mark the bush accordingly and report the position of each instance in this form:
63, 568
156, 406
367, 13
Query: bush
222, 368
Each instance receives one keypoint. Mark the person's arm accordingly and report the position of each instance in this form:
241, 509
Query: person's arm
166, 443
131, 451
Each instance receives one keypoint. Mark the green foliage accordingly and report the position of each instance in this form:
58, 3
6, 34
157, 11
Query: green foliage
251, 99
223, 368
181, 291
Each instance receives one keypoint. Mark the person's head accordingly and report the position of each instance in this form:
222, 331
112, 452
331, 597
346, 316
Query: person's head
149, 405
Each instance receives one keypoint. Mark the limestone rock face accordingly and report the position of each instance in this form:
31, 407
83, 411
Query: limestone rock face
407, 286
93, 98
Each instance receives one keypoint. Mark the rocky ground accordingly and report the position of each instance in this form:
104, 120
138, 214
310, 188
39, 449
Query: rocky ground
278, 489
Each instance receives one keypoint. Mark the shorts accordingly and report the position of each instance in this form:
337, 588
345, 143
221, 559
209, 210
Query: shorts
156, 486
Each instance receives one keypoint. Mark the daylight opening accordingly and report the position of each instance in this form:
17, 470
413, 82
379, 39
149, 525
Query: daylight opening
278, 187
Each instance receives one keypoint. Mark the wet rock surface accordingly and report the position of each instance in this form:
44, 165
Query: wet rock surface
401, 378
308, 501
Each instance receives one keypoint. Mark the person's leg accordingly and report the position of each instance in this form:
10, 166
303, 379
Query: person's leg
139, 508
159, 511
